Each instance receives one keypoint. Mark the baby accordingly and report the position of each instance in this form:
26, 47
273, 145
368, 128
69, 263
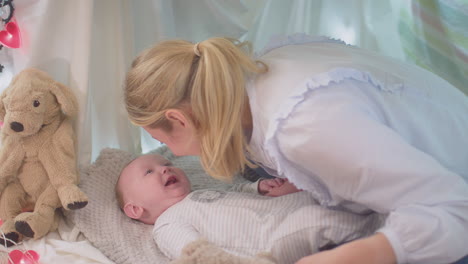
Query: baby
242, 220
149, 185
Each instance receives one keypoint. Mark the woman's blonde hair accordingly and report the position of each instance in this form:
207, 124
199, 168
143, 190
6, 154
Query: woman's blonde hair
208, 77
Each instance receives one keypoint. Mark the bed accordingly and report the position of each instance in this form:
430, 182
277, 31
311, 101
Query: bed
101, 233
89, 235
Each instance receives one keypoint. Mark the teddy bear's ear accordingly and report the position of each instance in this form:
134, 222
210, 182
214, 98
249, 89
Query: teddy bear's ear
66, 98
3, 95
2, 106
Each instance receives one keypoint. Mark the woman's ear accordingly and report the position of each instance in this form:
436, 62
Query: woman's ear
177, 116
133, 211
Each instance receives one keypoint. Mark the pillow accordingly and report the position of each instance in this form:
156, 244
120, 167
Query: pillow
121, 239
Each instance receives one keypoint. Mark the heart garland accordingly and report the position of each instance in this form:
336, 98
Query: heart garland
23, 257
10, 37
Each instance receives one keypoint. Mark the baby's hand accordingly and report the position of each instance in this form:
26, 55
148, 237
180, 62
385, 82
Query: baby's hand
266, 185
276, 187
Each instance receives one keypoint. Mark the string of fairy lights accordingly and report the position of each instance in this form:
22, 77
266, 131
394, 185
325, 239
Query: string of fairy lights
10, 38
9, 31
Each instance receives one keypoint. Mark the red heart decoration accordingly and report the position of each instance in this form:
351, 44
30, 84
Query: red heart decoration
20, 257
10, 37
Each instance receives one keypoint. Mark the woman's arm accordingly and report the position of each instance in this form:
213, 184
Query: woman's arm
372, 250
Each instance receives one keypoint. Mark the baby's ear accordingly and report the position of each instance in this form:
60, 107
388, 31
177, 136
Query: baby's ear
133, 211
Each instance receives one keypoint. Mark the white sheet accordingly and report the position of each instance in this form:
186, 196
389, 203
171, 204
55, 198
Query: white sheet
66, 245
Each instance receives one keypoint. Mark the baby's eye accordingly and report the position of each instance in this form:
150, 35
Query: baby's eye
148, 172
168, 163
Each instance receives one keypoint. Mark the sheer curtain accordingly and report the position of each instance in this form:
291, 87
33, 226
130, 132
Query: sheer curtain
88, 45
84, 44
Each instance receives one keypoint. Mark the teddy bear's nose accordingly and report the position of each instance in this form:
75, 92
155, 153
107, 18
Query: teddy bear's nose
17, 127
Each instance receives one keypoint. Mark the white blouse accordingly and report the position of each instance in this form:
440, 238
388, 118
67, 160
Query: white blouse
365, 132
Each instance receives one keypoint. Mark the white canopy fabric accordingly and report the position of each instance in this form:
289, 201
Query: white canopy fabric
89, 45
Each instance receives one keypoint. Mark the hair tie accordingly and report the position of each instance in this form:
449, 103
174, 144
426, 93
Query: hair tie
196, 50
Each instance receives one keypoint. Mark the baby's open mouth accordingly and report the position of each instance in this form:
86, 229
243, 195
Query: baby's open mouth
170, 180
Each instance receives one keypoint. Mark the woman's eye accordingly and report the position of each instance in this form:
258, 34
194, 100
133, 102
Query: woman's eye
149, 172
36, 103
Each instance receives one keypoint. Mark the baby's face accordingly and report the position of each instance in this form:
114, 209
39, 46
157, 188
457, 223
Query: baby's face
150, 181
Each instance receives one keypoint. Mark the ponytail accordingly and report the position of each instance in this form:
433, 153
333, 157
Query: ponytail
218, 101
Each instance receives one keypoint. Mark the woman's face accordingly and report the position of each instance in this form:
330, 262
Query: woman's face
182, 141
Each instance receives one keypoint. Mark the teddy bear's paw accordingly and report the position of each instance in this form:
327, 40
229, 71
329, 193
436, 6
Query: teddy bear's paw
76, 205
9, 239
201, 252
72, 197
8, 234
198, 245
34, 225
24, 228
265, 258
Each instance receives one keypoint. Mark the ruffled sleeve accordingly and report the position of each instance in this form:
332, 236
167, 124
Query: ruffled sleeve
294, 39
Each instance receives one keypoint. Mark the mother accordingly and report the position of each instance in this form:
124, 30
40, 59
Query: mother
361, 132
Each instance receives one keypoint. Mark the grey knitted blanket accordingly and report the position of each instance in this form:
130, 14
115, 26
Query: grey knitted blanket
123, 240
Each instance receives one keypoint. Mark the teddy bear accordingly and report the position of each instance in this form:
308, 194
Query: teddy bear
38, 167
203, 252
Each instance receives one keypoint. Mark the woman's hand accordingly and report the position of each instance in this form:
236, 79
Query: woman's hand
374, 249
276, 187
